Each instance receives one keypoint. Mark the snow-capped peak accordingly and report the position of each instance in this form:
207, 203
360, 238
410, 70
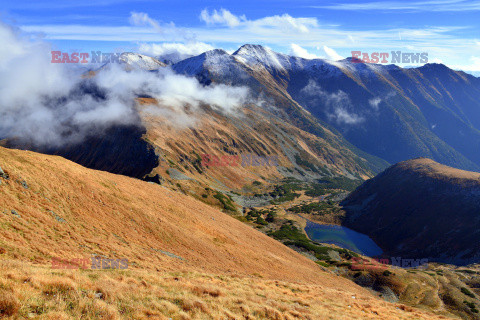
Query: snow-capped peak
216, 61
252, 54
215, 52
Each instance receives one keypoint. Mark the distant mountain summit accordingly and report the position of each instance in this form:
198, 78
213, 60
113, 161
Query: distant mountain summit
387, 111
140, 61
210, 62
258, 55
420, 209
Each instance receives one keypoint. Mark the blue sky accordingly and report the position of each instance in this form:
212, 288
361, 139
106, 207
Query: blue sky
447, 29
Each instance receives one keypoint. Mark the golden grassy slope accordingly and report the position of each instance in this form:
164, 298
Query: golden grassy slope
40, 293
113, 215
436, 170
121, 217
241, 132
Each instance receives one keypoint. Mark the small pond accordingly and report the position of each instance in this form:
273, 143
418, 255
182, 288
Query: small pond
342, 237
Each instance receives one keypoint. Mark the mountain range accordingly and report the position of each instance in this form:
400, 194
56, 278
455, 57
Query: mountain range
390, 112
358, 117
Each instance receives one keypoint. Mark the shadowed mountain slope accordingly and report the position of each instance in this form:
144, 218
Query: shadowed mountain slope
420, 209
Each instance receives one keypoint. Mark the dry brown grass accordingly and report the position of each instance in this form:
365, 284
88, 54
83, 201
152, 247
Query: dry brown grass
431, 168
9, 304
120, 217
257, 134
246, 275
42, 293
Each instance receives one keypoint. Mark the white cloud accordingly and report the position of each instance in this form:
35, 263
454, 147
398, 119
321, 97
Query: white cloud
336, 105
432, 5
436, 60
168, 51
174, 51
48, 104
177, 91
476, 62
142, 19
375, 102
332, 54
285, 22
145, 25
222, 17
280, 31
280, 22
341, 115
296, 50
474, 66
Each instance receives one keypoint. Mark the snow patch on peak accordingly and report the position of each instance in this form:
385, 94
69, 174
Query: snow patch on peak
250, 49
364, 68
254, 55
360, 68
215, 52
140, 61
216, 61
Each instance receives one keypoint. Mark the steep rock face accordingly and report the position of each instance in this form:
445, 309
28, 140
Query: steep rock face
420, 209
